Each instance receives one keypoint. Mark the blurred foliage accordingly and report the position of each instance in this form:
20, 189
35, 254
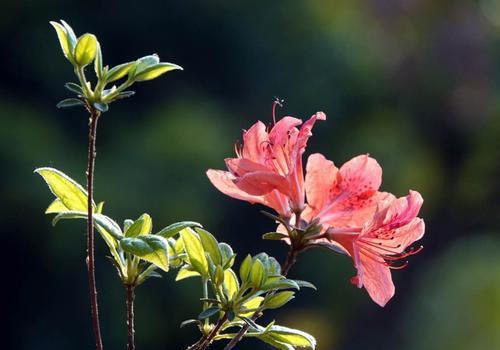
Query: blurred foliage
414, 83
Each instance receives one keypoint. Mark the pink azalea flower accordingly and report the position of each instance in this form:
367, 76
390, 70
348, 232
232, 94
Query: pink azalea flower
345, 197
268, 167
381, 242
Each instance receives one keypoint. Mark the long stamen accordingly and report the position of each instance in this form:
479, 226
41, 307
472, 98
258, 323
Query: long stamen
277, 102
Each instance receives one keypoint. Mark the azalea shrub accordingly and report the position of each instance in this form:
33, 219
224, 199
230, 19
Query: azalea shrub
317, 205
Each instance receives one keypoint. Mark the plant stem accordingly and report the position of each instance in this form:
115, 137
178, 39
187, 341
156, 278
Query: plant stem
130, 316
94, 116
213, 333
291, 258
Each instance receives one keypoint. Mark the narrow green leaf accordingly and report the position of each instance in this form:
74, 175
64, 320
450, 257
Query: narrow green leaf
125, 94
245, 267
274, 236
70, 102
173, 229
77, 89
189, 322
98, 62
86, 49
64, 40
208, 312
102, 220
250, 322
280, 284
150, 248
145, 62
141, 226
195, 252
71, 34
71, 194
210, 245
119, 71
279, 299
305, 284
155, 71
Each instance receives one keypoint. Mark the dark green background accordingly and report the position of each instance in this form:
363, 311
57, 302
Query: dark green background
414, 83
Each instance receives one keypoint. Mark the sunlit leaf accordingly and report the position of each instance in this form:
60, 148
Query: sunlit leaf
173, 229
71, 194
141, 226
64, 40
231, 284
119, 71
151, 248
279, 299
184, 273
155, 71
210, 245
195, 252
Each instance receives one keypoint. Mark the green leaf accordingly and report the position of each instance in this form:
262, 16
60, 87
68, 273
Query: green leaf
145, 62
71, 194
141, 226
231, 285
102, 220
86, 49
208, 312
279, 299
188, 322
228, 255
77, 89
150, 248
98, 62
210, 245
287, 338
218, 278
280, 284
101, 106
195, 252
250, 322
56, 207
71, 34
99, 207
305, 284
70, 102
173, 229
155, 71
119, 71
274, 236
257, 274
245, 267
64, 40
185, 272
125, 94
251, 304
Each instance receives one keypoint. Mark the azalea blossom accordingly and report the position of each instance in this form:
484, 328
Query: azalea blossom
382, 242
268, 167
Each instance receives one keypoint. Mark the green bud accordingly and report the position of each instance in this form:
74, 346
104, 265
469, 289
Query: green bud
85, 50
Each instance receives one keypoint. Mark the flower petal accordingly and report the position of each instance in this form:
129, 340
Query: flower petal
262, 182
242, 166
224, 182
321, 177
253, 142
376, 277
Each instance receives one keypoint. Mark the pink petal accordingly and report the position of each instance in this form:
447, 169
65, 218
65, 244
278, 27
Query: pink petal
404, 209
224, 182
280, 131
375, 276
242, 166
321, 177
253, 141
355, 197
262, 182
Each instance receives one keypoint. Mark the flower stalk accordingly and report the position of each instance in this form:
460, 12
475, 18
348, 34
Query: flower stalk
94, 117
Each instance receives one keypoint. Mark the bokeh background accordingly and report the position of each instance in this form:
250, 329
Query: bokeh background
415, 83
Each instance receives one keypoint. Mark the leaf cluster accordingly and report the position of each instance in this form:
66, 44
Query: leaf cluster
84, 50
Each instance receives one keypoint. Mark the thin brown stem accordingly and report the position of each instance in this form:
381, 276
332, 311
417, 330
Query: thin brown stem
94, 116
130, 316
291, 258
206, 343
